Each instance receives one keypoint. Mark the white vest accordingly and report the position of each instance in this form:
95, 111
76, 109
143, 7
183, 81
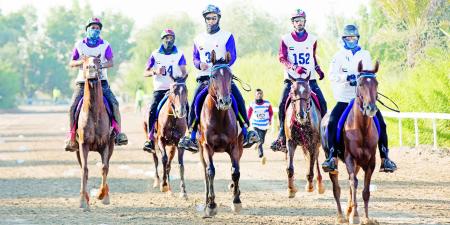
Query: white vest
163, 82
260, 116
345, 63
206, 43
300, 53
84, 50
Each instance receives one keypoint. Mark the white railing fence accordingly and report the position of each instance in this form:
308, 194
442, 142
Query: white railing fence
403, 115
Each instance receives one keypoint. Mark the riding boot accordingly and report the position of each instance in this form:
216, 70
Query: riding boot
330, 164
149, 146
280, 143
250, 138
387, 165
189, 142
71, 143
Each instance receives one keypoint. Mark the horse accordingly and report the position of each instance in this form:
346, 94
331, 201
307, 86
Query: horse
170, 127
94, 130
360, 140
218, 132
302, 128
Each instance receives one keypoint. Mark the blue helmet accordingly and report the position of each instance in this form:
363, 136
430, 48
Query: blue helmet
350, 30
211, 9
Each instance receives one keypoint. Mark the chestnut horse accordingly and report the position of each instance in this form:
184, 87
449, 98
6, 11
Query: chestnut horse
302, 128
360, 139
170, 127
218, 132
94, 130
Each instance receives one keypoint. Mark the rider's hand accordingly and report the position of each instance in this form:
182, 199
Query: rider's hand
204, 66
320, 72
351, 79
162, 70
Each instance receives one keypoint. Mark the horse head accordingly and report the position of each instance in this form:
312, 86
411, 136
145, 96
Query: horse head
178, 97
92, 69
366, 90
301, 97
220, 81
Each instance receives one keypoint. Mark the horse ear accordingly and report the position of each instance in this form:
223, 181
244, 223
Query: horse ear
377, 64
98, 56
309, 76
228, 57
183, 80
213, 57
360, 66
291, 78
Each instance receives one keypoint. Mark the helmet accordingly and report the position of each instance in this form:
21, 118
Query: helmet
94, 20
350, 30
298, 13
166, 32
211, 9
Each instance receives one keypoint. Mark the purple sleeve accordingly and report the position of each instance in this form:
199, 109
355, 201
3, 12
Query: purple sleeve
75, 54
196, 57
231, 47
109, 53
182, 61
150, 62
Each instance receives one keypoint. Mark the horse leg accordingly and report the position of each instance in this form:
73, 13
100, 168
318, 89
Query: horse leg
104, 188
366, 192
235, 175
309, 187
169, 167
164, 187
202, 160
211, 206
183, 193
290, 168
352, 210
320, 186
84, 196
337, 197
156, 178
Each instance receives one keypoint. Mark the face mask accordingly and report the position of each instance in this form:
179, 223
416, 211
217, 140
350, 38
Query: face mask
212, 29
350, 44
168, 45
93, 34
259, 100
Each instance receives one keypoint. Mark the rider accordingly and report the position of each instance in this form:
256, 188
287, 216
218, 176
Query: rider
93, 45
164, 61
297, 53
221, 42
343, 79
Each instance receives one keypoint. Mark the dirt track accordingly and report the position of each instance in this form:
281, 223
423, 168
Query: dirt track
39, 183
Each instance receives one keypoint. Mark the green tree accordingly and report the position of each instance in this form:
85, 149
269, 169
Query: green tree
9, 87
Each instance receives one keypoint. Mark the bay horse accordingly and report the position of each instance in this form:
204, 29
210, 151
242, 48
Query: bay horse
360, 140
94, 130
302, 128
218, 132
170, 127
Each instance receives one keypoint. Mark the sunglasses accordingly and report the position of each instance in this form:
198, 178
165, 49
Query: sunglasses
213, 18
351, 38
298, 20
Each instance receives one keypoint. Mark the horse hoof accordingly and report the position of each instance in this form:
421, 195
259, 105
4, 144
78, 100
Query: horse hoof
84, 201
210, 212
340, 219
263, 160
367, 221
164, 188
236, 207
321, 188
231, 187
353, 220
291, 192
156, 183
309, 188
105, 200
183, 195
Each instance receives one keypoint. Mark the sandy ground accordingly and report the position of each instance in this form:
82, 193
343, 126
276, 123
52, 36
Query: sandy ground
39, 183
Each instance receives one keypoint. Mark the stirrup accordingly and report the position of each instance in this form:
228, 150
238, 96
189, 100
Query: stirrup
71, 146
329, 166
252, 138
278, 146
149, 147
388, 166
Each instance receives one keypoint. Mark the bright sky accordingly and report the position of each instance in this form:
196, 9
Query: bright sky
144, 11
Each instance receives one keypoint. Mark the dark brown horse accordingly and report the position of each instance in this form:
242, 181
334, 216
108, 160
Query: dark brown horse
170, 127
219, 132
302, 128
360, 140
94, 130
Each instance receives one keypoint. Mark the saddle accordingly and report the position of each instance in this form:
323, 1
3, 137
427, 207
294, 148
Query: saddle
113, 122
